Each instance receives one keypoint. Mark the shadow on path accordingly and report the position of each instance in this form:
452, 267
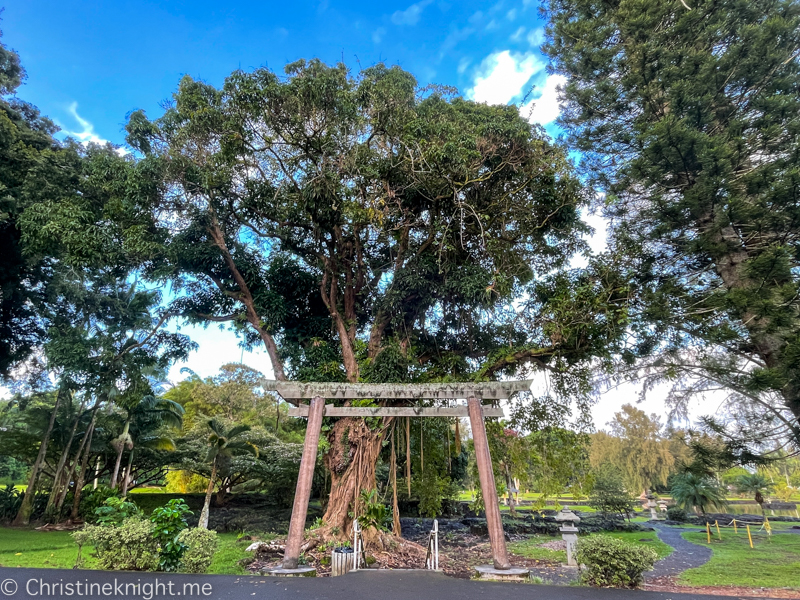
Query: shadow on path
685, 555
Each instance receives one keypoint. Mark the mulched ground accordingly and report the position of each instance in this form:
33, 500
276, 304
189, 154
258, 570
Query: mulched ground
458, 555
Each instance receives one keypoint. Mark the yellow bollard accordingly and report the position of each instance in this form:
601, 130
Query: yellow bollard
749, 536
734, 526
719, 535
708, 532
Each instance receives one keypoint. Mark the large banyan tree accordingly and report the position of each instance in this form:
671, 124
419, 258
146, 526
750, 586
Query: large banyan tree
366, 229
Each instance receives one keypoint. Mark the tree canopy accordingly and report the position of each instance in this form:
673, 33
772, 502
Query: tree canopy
686, 114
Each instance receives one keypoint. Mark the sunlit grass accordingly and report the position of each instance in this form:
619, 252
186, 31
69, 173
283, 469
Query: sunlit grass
57, 550
773, 562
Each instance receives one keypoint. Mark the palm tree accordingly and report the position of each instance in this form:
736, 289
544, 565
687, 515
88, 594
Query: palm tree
222, 446
755, 484
696, 492
161, 410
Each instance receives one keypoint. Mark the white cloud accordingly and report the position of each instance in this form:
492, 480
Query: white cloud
517, 35
86, 135
503, 75
411, 15
536, 37
463, 64
545, 108
378, 34
512, 14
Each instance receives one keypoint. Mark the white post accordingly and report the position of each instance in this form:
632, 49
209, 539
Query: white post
436, 544
356, 544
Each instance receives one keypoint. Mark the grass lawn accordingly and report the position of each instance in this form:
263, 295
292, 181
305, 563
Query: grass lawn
56, 550
531, 547
773, 562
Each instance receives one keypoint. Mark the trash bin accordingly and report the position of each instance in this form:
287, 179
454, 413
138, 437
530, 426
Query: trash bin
342, 560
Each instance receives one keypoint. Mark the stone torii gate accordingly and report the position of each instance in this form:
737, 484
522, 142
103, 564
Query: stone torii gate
317, 393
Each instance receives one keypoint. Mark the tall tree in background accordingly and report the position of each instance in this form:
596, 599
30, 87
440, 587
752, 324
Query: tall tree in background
637, 447
364, 229
686, 113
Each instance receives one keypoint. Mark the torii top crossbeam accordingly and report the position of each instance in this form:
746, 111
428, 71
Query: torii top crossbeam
293, 391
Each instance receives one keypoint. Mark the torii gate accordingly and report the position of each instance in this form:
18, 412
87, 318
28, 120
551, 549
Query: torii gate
317, 393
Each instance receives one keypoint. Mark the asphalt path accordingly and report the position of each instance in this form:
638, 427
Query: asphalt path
19, 584
686, 555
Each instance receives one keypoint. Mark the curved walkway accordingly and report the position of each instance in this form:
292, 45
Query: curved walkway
686, 555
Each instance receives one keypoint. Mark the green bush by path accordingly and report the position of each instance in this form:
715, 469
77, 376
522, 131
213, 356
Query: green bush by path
531, 547
774, 562
613, 562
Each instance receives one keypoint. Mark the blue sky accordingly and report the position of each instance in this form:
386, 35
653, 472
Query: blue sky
92, 62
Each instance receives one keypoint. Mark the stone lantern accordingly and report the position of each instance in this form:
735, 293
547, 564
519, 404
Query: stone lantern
651, 504
569, 532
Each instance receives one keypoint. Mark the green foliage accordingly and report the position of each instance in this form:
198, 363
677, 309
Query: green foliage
373, 512
685, 116
676, 513
129, 546
609, 495
115, 510
611, 562
201, 545
756, 485
697, 493
637, 446
431, 490
10, 499
168, 523
93, 500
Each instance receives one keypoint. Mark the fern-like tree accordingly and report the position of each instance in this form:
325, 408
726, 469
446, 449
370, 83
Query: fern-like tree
697, 492
756, 485
147, 408
223, 445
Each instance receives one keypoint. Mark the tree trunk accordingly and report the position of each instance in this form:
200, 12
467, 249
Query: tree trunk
71, 471
511, 502
76, 502
203, 523
396, 529
351, 460
26, 508
120, 450
62, 461
127, 478
408, 455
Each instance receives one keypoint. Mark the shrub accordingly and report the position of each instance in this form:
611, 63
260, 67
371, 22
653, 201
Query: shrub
169, 521
613, 562
201, 544
691, 491
115, 511
609, 496
129, 546
676, 513
10, 500
91, 500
